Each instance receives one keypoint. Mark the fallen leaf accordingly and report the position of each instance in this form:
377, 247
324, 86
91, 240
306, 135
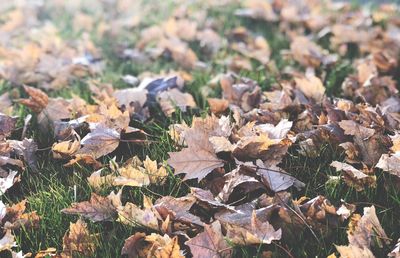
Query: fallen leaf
255, 232
354, 177
101, 141
97, 209
210, 243
78, 240
311, 86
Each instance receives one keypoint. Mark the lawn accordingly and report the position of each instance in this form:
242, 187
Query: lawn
199, 129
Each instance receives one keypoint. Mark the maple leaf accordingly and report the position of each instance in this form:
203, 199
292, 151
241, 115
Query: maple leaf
370, 143
133, 245
7, 241
130, 214
98, 208
311, 86
396, 251
178, 209
390, 164
252, 232
277, 179
194, 162
210, 243
172, 98
253, 146
101, 141
7, 125
132, 176
362, 233
78, 240
354, 177
97, 181
7, 182
65, 148
156, 175
163, 246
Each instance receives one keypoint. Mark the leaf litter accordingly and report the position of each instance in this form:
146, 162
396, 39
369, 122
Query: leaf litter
233, 155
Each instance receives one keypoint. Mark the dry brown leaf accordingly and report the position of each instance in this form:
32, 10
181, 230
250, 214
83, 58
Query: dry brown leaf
390, 164
362, 233
85, 159
8, 181
78, 241
7, 125
133, 245
97, 181
101, 141
163, 246
157, 175
354, 177
352, 251
210, 243
130, 214
172, 98
253, 146
97, 209
255, 232
178, 209
311, 86
65, 148
218, 105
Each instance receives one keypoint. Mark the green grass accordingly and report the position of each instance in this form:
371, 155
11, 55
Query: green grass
54, 186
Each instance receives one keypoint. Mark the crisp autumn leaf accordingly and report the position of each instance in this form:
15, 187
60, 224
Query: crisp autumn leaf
364, 231
172, 98
7, 125
311, 86
389, 164
178, 209
163, 246
371, 145
131, 214
352, 251
354, 177
210, 243
133, 245
157, 175
7, 241
277, 179
97, 181
78, 240
253, 146
396, 251
66, 148
8, 181
253, 232
218, 105
85, 159
15, 217
239, 178
199, 159
97, 209
101, 141
131, 175
194, 162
